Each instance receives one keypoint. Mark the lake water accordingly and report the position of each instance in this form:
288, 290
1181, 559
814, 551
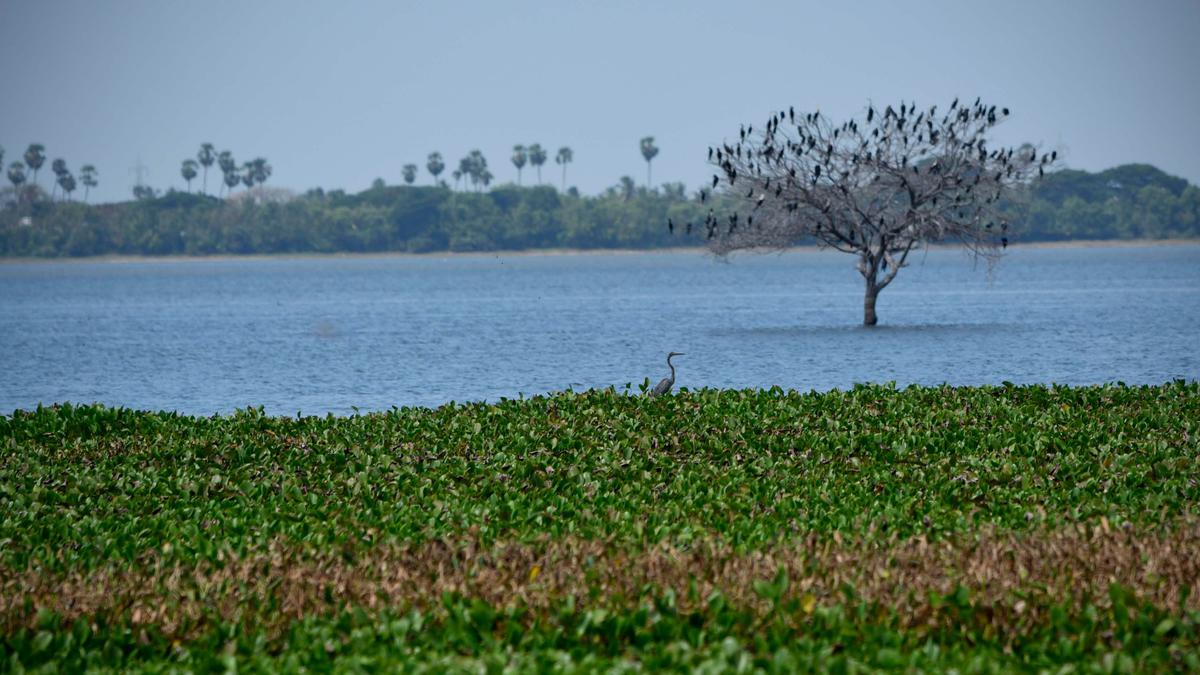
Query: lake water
329, 334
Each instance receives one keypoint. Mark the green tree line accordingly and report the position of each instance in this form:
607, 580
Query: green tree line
1131, 201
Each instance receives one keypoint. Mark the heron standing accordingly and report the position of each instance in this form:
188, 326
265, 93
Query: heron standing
667, 382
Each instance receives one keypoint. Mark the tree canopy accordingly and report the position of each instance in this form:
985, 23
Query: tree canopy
1132, 201
875, 187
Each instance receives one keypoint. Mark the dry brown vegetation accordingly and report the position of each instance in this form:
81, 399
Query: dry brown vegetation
1011, 578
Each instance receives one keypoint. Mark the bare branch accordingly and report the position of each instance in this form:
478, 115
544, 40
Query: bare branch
876, 186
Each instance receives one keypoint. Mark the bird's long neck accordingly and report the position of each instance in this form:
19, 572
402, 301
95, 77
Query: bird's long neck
672, 367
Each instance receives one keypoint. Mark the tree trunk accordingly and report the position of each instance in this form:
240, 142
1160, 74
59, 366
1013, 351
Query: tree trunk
869, 318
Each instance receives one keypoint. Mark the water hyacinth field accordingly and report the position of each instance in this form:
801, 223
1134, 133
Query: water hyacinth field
978, 528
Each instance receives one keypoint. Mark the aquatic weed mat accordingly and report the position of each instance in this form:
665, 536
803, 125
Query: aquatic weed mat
925, 527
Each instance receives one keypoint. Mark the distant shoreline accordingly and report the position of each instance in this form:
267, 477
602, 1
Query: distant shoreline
221, 257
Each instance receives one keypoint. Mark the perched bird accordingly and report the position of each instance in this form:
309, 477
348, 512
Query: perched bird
667, 382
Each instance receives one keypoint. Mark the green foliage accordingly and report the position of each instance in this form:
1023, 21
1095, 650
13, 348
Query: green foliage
96, 484
398, 218
89, 487
466, 636
1134, 201
94, 488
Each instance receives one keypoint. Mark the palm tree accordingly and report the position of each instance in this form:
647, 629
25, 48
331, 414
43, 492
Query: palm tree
435, 165
537, 157
464, 170
16, 176
410, 173
228, 165
564, 157
35, 156
59, 167
231, 179
189, 171
67, 181
207, 156
482, 175
248, 175
88, 176
261, 170
474, 166
457, 174
519, 157
649, 151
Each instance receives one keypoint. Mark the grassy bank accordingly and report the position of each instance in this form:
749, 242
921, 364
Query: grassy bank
1019, 527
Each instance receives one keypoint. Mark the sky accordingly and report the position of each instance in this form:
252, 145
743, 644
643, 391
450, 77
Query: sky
336, 94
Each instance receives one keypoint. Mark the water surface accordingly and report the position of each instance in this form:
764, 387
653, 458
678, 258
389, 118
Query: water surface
330, 334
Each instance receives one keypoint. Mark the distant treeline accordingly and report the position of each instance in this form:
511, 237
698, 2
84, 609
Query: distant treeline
1131, 201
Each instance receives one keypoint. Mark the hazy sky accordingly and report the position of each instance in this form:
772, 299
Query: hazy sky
335, 94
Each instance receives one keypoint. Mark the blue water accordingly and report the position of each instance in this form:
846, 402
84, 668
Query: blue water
319, 335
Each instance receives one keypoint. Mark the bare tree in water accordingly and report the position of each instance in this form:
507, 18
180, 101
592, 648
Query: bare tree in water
877, 187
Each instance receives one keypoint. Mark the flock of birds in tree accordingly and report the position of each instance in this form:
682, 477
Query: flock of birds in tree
942, 165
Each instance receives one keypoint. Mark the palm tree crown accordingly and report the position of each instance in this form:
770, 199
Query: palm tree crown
35, 156
189, 170
564, 157
89, 177
207, 155
59, 167
519, 157
649, 151
434, 165
537, 157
